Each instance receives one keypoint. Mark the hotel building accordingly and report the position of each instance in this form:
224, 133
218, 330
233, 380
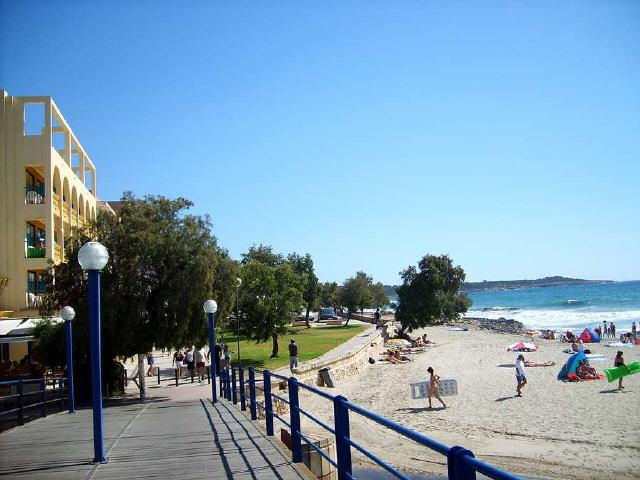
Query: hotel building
47, 191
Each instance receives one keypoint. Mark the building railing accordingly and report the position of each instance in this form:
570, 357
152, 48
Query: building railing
56, 204
35, 252
461, 463
34, 195
21, 404
58, 255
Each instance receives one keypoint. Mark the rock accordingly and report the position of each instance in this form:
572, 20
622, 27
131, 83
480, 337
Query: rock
501, 325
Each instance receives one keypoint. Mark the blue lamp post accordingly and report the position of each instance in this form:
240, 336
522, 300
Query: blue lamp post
93, 256
68, 314
238, 284
210, 308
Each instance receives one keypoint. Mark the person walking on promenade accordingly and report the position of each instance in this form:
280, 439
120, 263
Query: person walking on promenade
619, 362
200, 364
434, 387
178, 359
227, 356
521, 376
188, 359
151, 362
293, 355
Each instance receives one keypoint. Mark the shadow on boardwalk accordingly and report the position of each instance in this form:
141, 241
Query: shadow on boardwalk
146, 440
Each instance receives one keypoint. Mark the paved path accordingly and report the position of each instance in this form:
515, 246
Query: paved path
160, 439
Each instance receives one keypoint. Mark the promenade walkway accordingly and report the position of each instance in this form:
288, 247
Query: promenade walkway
159, 439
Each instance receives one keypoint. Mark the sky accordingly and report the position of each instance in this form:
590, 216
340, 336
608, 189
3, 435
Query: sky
366, 133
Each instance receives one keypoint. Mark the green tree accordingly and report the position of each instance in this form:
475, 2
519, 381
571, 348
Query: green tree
430, 293
270, 296
356, 294
328, 294
263, 254
303, 267
163, 264
379, 297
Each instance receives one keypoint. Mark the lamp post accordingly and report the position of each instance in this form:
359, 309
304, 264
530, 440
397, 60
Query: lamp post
238, 283
93, 256
210, 307
68, 314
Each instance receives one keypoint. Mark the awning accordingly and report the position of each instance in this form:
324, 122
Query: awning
21, 326
9, 324
25, 338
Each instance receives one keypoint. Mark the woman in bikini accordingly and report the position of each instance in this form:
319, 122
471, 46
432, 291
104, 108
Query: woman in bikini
434, 387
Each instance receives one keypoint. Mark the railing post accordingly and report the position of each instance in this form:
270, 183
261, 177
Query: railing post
268, 403
294, 415
126, 378
343, 447
228, 385
43, 396
208, 374
176, 372
243, 404
252, 394
20, 403
158, 375
234, 392
457, 468
221, 379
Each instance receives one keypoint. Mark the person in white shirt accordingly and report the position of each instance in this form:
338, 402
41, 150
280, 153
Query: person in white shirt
199, 357
521, 376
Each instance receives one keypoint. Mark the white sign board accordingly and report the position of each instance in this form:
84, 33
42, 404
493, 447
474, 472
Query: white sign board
448, 387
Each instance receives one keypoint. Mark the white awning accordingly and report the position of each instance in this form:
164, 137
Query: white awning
8, 324
24, 326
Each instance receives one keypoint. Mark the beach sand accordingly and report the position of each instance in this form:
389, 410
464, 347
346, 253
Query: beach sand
585, 430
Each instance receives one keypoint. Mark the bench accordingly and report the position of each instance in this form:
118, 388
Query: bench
333, 322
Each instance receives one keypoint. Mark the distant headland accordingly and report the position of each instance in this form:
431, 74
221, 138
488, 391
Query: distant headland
556, 281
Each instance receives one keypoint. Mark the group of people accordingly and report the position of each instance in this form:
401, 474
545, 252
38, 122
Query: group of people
607, 331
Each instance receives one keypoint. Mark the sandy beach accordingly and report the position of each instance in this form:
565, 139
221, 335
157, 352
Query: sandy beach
585, 430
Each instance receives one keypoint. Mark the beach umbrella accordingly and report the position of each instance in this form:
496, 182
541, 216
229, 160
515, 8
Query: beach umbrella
397, 342
522, 347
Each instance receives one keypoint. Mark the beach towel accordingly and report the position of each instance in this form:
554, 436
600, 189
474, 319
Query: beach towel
539, 364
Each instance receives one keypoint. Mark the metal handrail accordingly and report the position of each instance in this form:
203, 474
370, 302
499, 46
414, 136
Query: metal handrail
462, 465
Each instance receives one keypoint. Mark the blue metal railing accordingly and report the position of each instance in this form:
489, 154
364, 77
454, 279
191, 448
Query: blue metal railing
461, 463
59, 389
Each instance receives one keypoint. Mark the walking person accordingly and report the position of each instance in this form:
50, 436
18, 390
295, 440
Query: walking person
613, 330
178, 359
227, 356
151, 362
188, 359
521, 376
199, 357
619, 362
434, 387
293, 355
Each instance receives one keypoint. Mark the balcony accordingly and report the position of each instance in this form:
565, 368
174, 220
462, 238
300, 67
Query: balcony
58, 255
74, 218
56, 204
35, 252
66, 213
34, 195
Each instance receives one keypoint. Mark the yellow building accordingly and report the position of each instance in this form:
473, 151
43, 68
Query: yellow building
47, 191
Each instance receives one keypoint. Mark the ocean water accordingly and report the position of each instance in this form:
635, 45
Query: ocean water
568, 307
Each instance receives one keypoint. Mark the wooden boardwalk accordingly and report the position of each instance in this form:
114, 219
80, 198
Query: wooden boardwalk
161, 439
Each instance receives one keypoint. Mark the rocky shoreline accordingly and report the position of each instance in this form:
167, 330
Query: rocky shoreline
500, 325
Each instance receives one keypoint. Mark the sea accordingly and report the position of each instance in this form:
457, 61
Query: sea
570, 307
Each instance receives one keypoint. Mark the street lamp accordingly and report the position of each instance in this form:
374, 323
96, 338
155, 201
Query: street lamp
93, 256
67, 314
210, 308
238, 283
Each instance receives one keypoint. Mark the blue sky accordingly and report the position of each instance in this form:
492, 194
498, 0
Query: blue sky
365, 133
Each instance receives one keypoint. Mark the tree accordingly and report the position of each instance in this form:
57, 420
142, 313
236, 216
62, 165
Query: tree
380, 299
263, 254
163, 264
328, 295
303, 267
356, 293
430, 293
270, 295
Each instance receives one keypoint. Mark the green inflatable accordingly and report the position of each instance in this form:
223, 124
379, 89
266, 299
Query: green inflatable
619, 372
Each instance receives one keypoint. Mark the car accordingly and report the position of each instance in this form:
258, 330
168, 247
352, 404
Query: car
327, 314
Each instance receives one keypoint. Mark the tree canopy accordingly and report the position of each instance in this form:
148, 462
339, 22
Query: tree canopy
430, 293
359, 292
163, 264
303, 267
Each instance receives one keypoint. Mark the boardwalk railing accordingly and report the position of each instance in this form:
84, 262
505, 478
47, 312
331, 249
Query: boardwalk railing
22, 401
461, 463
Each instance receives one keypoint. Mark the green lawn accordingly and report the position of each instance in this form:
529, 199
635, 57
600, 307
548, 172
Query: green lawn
312, 342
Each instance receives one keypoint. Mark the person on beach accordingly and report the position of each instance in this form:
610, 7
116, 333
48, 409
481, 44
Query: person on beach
521, 376
434, 387
619, 362
293, 355
613, 330
633, 330
178, 359
604, 329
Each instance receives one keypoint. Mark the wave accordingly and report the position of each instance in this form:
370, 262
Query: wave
562, 319
500, 309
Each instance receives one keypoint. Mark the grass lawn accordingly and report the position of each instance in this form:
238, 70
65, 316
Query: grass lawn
312, 342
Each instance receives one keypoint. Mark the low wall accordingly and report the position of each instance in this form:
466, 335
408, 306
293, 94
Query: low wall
342, 365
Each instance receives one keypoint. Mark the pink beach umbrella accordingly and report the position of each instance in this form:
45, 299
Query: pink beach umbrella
522, 347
